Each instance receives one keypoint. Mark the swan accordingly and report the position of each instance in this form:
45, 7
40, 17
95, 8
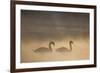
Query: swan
45, 49
64, 49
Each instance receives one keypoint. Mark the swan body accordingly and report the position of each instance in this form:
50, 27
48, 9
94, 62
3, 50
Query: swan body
64, 49
42, 49
45, 49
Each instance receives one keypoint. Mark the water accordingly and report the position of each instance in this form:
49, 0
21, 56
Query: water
80, 50
38, 28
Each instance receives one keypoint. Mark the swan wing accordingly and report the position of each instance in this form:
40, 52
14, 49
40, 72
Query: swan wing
62, 49
41, 49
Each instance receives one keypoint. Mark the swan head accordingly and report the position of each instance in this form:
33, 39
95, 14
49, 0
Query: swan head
52, 43
71, 42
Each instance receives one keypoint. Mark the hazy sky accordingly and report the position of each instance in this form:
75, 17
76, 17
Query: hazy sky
53, 25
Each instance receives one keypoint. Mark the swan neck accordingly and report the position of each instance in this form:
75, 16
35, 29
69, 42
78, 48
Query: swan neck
70, 44
50, 46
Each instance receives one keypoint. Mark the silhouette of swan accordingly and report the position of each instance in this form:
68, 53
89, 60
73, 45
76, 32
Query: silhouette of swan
45, 49
64, 49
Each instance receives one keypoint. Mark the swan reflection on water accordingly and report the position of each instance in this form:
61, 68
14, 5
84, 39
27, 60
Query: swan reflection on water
50, 49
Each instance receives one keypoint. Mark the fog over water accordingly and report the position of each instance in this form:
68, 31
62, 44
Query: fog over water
39, 28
